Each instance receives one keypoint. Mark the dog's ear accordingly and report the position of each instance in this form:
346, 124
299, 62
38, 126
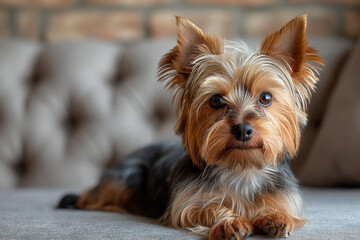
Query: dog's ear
192, 43
176, 65
290, 47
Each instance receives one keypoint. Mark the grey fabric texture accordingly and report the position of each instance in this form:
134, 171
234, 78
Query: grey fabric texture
334, 52
68, 109
30, 214
336, 150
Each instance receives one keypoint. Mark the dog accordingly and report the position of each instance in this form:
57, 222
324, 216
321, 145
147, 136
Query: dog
240, 114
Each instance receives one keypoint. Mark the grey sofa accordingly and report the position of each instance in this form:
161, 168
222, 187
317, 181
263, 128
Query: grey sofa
70, 109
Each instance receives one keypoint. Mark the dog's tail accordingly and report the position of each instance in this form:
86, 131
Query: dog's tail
69, 201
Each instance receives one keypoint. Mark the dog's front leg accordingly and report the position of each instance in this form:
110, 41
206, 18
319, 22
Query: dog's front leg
216, 221
275, 222
277, 215
227, 227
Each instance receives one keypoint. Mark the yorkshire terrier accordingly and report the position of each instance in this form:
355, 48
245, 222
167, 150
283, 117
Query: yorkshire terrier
239, 114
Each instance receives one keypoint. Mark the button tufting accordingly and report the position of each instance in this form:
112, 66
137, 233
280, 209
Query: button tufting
73, 119
77, 103
72, 122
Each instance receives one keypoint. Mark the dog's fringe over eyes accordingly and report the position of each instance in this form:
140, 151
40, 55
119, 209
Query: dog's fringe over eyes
240, 114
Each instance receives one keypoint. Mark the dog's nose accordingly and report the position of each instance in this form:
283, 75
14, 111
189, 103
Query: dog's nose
243, 131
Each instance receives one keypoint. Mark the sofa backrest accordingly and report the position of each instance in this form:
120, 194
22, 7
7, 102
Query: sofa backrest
69, 109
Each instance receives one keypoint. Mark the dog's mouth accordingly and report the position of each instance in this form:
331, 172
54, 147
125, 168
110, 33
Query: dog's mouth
248, 153
245, 146
243, 154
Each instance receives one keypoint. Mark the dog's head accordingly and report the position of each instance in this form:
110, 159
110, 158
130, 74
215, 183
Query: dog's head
238, 107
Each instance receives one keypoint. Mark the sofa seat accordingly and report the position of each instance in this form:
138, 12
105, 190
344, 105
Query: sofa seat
31, 214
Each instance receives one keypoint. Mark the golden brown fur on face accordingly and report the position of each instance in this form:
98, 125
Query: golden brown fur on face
202, 66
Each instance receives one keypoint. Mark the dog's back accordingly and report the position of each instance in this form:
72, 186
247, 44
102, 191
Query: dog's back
139, 183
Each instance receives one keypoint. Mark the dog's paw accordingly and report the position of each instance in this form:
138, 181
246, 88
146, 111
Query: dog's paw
278, 229
274, 225
237, 229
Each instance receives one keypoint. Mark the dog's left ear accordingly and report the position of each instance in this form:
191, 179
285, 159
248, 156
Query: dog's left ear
290, 47
176, 66
192, 43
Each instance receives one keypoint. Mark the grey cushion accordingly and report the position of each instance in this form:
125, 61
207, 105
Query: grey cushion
335, 52
336, 150
30, 214
68, 109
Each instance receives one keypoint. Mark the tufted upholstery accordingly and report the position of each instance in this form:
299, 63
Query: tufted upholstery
69, 109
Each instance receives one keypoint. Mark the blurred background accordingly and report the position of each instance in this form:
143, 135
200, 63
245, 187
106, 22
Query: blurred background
136, 20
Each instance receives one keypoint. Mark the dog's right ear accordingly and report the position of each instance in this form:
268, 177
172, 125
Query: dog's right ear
290, 47
176, 65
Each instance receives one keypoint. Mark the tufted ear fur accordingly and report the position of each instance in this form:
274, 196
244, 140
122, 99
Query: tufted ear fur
290, 47
176, 66
192, 43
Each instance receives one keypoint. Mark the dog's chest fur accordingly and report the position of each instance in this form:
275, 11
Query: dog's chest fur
237, 189
245, 184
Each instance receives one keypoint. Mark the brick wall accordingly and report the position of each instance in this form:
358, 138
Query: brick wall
134, 20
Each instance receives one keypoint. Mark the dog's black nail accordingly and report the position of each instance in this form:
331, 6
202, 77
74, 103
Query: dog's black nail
282, 233
272, 230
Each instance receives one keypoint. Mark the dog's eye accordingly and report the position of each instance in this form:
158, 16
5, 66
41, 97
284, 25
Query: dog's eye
265, 99
217, 101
